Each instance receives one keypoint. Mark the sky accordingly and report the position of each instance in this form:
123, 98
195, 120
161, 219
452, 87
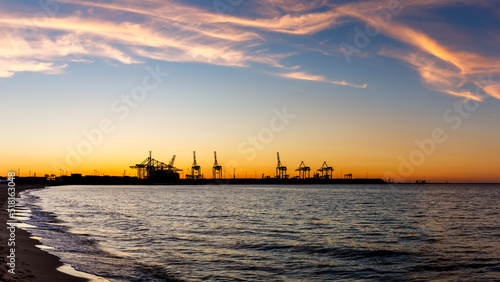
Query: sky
400, 90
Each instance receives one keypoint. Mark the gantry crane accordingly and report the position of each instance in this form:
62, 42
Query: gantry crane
217, 169
304, 171
326, 171
170, 164
195, 169
149, 166
280, 169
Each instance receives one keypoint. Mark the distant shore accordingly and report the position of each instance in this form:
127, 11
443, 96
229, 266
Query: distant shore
31, 263
78, 179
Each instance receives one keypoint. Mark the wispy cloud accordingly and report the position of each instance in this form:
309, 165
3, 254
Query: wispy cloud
9, 67
131, 31
161, 30
153, 29
443, 68
306, 76
165, 32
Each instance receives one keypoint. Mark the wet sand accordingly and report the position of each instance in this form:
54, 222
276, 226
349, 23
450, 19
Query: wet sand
32, 263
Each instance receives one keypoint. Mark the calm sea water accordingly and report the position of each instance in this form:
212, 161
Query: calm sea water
250, 233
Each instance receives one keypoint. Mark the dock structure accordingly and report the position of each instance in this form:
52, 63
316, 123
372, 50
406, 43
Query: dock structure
280, 169
154, 172
304, 171
154, 169
151, 171
195, 169
216, 169
326, 171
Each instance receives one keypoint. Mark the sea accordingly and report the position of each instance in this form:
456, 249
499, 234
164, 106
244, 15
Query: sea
398, 232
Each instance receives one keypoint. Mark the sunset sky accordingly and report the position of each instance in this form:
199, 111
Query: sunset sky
390, 89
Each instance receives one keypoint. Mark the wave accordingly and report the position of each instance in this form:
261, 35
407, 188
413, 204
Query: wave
84, 253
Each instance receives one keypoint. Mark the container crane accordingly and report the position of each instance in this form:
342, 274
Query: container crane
216, 169
304, 171
280, 169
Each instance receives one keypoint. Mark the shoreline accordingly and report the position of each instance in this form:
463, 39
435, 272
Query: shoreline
78, 179
32, 263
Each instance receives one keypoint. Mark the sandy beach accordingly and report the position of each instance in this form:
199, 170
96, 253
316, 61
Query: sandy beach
31, 263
